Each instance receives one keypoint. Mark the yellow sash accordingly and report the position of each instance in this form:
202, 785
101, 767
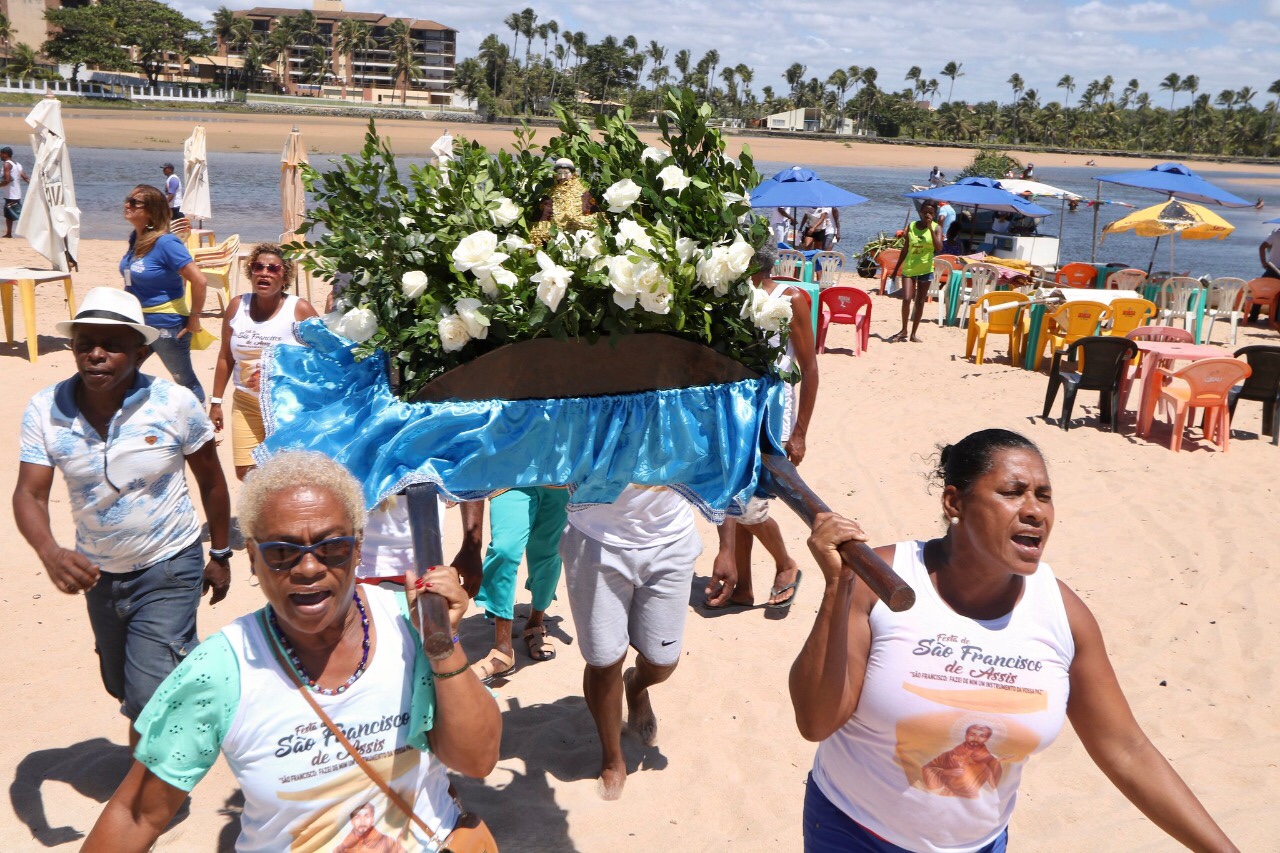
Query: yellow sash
199, 340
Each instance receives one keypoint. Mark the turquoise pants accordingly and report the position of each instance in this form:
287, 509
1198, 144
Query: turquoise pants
528, 522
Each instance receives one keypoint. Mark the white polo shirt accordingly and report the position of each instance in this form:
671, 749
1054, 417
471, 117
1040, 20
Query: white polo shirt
129, 496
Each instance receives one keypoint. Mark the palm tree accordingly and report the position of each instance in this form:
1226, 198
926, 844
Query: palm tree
223, 27
281, 41
839, 81
745, 76
22, 62
681, 61
315, 65
913, 77
353, 35
794, 75
397, 40
730, 74
1017, 85
711, 58
255, 54
1191, 83
494, 55
952, 71
512, 23
468, 77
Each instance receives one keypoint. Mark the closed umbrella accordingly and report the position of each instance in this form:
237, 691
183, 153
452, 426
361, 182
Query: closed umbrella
195, 199
50, 219
293, 195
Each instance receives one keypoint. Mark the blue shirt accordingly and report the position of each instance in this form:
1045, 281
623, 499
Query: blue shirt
128, 492
946, 215
154, 278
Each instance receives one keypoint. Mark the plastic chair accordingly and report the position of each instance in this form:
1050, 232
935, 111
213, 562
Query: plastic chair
1073, 321
181, 228
790, 264
1129, 314
1261, 293
954, 260
942, 269
980, 278
1008, 321
218, 265
1126, 279
1076, 275
1204, 384
1224, 303
1170, 334
828, 266
1174, 299
887, 260
1263, 385
846, 305
1100, 368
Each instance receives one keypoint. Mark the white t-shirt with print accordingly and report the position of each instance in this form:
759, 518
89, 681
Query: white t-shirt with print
641, 517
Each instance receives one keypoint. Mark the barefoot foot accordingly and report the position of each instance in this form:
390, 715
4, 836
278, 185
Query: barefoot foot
612, 779
641, 720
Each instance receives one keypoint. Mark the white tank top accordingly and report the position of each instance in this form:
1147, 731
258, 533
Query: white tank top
298, 782
249, 339
950, 711
13, 190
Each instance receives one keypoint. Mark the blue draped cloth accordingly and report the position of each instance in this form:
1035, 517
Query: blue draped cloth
702, 442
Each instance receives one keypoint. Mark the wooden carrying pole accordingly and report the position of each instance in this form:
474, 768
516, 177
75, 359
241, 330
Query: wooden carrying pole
428, 551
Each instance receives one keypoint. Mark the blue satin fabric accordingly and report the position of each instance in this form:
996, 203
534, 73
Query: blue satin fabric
703, 442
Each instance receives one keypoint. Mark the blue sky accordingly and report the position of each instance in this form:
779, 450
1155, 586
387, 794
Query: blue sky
1226, 43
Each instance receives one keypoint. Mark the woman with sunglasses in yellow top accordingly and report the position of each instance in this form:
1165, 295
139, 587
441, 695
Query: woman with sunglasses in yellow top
265, 316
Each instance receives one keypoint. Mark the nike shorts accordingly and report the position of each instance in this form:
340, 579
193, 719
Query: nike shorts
634, 597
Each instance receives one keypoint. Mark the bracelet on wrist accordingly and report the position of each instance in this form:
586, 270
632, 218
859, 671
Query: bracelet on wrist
440, 676
222, 555
215, 401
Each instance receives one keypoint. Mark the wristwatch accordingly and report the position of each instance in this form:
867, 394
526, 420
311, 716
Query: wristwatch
222, 555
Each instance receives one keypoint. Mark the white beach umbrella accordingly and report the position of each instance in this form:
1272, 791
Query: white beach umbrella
195, 162
293, 195
50, 219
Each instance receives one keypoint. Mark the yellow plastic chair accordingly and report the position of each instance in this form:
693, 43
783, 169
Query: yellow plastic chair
1129, 314
1006, 320
218, 266
1071, 322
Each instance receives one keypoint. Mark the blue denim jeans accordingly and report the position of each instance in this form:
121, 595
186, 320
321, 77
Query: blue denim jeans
175, 353
829, 830
144, 624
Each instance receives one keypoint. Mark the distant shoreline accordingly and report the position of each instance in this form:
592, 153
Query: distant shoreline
264, 132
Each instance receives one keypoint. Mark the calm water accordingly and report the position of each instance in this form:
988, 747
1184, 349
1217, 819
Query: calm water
246, 200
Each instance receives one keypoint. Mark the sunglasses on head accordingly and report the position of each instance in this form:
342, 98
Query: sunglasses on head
259, 266
134, 202
332, 552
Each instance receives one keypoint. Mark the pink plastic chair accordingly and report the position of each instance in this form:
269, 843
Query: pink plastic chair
1170, 334
1204, 384
848, 305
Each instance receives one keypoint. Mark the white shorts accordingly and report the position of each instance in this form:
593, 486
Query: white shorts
634, 597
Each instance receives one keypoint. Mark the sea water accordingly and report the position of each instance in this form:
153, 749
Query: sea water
245, 197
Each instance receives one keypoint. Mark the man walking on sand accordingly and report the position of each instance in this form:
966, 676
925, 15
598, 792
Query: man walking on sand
122, 440
628, 566
11, 180
172, 190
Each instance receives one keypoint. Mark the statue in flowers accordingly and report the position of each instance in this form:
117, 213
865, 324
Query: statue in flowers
569, 205
443, 271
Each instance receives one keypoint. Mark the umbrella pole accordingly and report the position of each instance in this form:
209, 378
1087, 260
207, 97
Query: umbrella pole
1093, 252
1151, 263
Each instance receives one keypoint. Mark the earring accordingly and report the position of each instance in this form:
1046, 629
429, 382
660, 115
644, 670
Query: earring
955, 519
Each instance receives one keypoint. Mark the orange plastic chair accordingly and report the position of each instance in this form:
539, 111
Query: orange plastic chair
1129, 279
1129, 314
1007, 321
887, 260
848, 305
1073, 321
1261, 293
1076, 275
1204, 384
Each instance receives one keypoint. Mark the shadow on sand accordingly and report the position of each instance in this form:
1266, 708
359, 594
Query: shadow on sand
94, 768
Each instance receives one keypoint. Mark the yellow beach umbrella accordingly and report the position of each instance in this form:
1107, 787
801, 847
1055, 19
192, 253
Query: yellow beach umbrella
1187, 220
293, 195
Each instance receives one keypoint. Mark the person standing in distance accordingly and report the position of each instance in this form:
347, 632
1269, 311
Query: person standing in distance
11, 179
172, 190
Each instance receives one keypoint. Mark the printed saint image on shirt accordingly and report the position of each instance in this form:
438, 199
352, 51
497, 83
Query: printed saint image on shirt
364, 834
961, 754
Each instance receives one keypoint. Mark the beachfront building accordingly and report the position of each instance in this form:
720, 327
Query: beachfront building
370, 71
26, 19
809, 120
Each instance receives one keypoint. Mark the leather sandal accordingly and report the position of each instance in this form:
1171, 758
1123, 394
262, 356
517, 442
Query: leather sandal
496, 663
535, 640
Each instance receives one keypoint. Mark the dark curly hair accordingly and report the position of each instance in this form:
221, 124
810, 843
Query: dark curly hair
269, 249
962, 463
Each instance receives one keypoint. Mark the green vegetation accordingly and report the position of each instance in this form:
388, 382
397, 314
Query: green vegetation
991, 164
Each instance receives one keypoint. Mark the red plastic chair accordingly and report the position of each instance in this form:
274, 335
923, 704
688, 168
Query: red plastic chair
848, 305
1076, 275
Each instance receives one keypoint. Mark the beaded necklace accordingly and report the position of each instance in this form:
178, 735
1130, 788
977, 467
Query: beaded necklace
296, 661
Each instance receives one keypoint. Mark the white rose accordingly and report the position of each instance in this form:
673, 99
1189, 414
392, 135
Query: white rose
632, 233
406, 221
740, 255
622, 279
687, 249
656, 303
552, 281
654, 155
590, 246
491, 277
734, 198
653, 288
621, 195
413, 284
505, 213
674, 179
477, 250
515, 243
357, 325
453, 332
475, 320
714, 271
769, 312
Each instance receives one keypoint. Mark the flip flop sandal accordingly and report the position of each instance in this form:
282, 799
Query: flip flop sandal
535, 640
495, 664
795, 590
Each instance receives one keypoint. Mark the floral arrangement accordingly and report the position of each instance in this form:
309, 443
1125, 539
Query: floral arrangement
453, 262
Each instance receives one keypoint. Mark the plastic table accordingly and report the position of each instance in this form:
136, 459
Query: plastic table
1157, 354
26, 281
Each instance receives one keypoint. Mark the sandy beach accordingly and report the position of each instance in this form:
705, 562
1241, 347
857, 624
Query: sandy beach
1174, 553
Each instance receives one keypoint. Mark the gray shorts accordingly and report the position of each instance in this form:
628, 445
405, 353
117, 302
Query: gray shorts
623, 597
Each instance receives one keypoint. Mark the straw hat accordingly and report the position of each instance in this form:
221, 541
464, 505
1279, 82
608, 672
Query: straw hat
107, 306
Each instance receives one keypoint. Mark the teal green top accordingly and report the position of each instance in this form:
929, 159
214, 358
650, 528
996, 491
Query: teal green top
185, 722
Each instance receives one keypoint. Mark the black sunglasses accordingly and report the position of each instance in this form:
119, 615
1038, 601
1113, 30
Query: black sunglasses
332, 552
134, 202
258, 266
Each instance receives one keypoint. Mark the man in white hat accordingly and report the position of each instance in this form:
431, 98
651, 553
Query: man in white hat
122, 439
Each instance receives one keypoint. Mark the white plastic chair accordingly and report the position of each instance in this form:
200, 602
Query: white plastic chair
1175, 299
1127, 279
1226, 302
828, 266
790, 264
981, 279
942, 270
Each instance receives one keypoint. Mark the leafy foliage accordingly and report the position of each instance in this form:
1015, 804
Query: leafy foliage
675, 257
988, 163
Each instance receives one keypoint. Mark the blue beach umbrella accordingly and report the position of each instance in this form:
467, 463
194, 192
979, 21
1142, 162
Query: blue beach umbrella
800, 187
982, 193
1175, 179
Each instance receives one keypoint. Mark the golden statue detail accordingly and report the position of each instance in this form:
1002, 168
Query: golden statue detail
569, 206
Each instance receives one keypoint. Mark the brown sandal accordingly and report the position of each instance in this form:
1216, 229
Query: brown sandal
540, 648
